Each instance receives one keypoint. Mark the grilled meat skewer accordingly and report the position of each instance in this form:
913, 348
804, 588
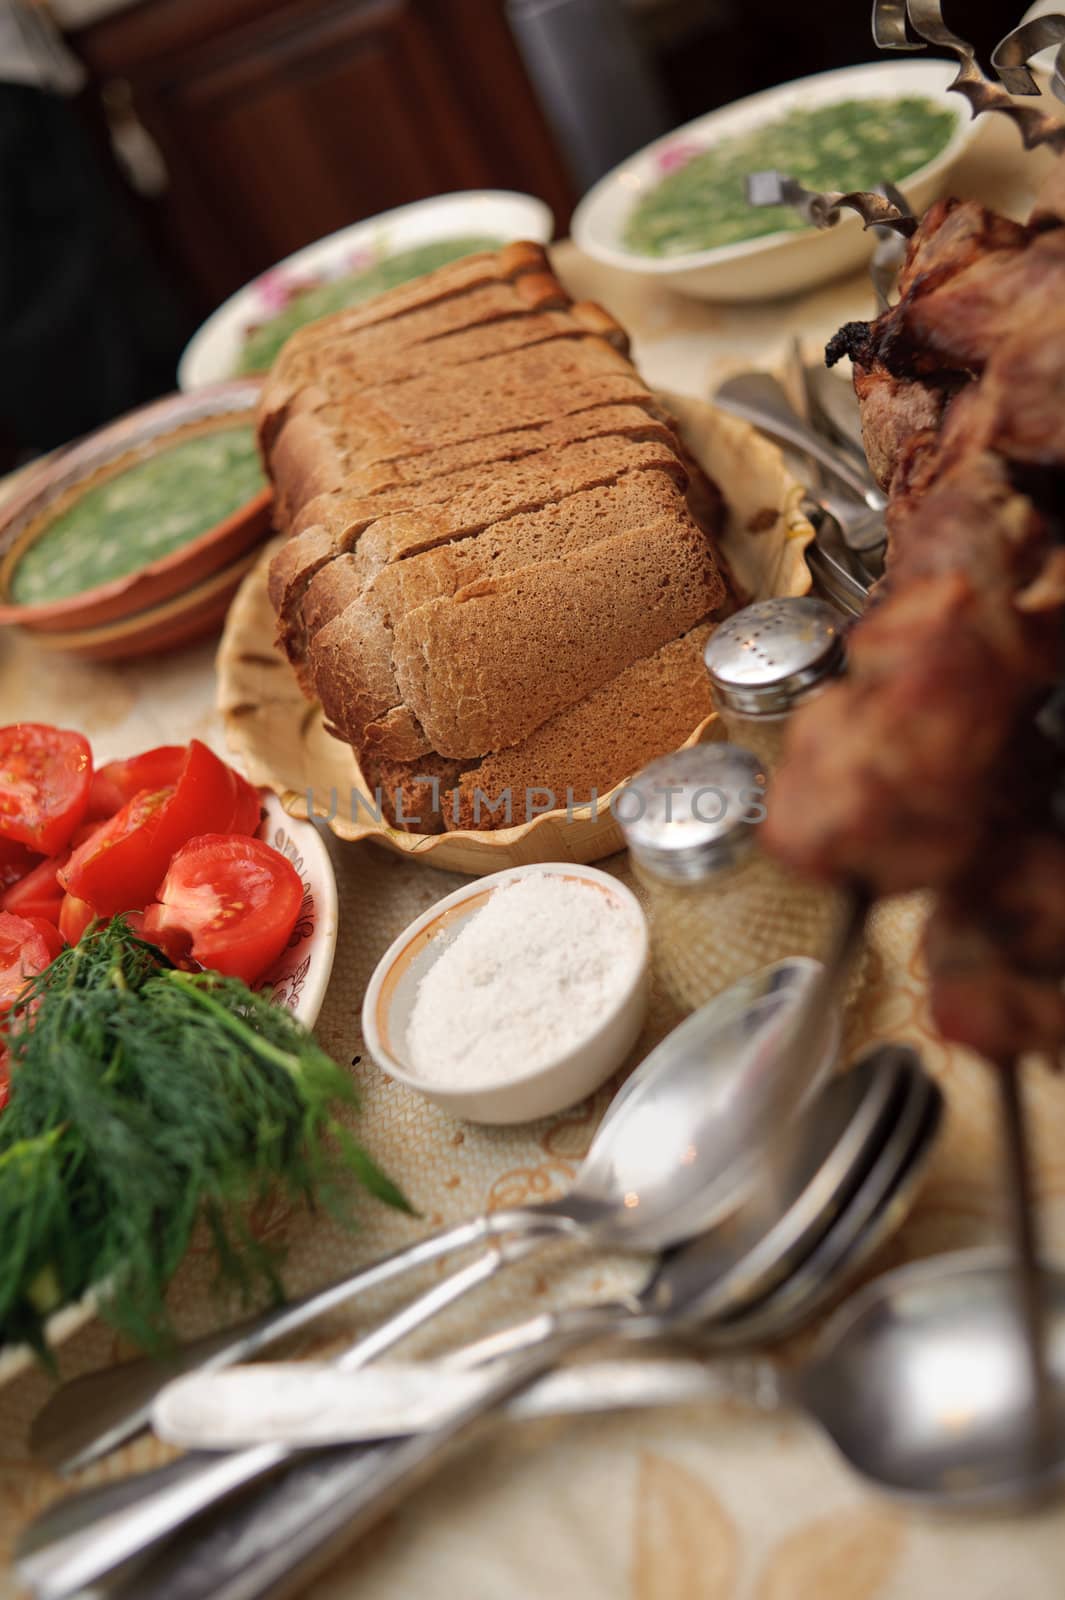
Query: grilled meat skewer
895, 777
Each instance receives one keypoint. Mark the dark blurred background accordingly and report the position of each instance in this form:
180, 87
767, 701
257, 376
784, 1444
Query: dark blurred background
156, 154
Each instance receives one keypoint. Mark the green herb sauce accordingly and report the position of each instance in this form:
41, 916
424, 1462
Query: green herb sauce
853, 144
140, 515
337, 294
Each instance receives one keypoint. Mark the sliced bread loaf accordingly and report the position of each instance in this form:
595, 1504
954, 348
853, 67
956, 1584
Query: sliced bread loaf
500, 547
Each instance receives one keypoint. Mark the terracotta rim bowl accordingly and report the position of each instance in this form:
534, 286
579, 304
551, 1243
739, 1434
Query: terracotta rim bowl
159, 581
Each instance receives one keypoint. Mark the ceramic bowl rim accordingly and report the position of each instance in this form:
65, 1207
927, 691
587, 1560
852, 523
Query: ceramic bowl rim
75, 464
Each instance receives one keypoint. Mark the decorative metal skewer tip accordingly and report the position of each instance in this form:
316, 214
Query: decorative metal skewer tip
771, 188
913, 24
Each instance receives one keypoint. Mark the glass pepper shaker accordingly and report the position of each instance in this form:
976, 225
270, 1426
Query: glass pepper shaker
719, 907
764, 660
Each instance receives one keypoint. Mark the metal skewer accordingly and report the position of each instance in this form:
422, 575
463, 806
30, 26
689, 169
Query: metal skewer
885, 210
1012, 54
893, 21
1024, 1234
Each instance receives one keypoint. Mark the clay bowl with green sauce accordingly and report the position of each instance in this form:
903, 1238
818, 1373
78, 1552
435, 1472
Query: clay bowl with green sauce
676, 213
136, 517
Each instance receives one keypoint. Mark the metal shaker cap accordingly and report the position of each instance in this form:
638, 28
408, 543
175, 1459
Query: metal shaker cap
692, 814
763, 659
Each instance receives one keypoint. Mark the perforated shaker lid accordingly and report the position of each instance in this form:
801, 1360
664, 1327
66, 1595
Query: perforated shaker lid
764, 659
692, 814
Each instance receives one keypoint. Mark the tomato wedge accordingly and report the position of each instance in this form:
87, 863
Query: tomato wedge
74, 917
38, 894
15, 862
248, 811
117, 783
45, 775
122, 865
237, 901
26, 948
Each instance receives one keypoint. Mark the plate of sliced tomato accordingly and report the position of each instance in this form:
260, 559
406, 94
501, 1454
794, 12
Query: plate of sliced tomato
175, 839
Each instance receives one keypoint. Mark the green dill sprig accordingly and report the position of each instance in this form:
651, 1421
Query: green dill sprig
143, 1099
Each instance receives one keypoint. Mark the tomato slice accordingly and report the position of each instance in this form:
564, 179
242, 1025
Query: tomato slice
236, 899
248, 813
122, 865
48, 932
25, 950
74, 917
45, 774
15, 862
38, 894
117, 783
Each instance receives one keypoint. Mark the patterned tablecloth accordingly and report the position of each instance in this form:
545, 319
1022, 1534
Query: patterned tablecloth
705, 1504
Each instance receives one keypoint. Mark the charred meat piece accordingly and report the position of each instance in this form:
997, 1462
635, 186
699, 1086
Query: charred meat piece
907, 773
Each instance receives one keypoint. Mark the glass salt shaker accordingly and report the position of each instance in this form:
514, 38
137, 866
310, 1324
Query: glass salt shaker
719, 908
764, 660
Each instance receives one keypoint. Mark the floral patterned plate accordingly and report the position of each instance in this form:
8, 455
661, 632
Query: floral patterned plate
299, 979
214, 351
300, 976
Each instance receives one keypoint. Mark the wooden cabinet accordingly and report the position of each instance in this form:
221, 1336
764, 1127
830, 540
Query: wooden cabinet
282, 120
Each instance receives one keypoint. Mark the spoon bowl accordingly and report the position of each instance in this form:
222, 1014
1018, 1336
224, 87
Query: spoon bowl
922, 1383
682, 1142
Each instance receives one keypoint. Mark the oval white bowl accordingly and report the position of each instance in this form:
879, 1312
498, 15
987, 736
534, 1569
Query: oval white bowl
299, 978
777, 263
215, 348
390, 998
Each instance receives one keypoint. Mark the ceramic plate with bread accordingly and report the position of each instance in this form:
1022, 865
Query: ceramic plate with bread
501, 561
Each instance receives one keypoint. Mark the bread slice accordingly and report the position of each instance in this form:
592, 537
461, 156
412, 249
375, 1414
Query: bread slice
468, 501
325, 438
644, 419
545, 636
582, 752
364, 364
354, 370
371, 592
479, 288
577, 756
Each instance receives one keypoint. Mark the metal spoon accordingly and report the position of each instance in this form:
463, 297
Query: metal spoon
761, 400
839, 573
305, 1405
660, 1168
919, 1380
85, 1537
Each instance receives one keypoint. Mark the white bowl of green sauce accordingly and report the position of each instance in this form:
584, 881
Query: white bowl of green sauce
245, 333
676, 213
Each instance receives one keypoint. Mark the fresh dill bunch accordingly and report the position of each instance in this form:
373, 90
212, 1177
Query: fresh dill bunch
142, 1099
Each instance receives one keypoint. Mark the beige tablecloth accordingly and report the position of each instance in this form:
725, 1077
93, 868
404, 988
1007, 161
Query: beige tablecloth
705, 1504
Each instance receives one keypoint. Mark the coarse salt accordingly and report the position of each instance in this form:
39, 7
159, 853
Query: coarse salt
528, 978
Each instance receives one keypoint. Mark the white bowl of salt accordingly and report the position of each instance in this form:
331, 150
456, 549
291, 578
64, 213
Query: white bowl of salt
514, 997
